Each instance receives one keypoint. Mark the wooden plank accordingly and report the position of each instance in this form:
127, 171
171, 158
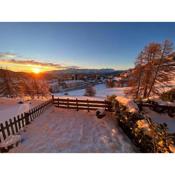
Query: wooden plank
11, 126
3, 131
77, 104
23, 118
153, 105
19, 122
86, 105
67, 102
16, 126
78, 108
7, 128
74, 100
58, 101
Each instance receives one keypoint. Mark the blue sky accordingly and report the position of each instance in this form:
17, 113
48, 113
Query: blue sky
86, 45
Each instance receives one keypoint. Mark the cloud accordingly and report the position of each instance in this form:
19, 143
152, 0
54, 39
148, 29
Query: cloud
31, 62
14, 58
7, 55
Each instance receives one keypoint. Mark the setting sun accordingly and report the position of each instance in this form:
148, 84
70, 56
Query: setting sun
36, 70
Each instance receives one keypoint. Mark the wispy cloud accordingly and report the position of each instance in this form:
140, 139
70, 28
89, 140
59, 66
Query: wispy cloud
4, 55
15, 59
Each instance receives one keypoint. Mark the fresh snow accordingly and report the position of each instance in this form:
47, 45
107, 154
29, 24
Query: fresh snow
128, 103
69, 131
11, 140
161, 118
101, 92
10, 107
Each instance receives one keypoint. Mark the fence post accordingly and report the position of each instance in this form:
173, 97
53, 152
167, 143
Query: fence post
58, 102
77, 103
3, 131
7, 128
11, 126
26, 116
88, 104
52, 98
67, 102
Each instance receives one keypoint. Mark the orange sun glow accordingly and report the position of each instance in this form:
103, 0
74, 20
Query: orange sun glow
36, 70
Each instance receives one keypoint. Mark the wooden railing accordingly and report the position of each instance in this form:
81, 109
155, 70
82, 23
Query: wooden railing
81, 104
157, 107
14, 125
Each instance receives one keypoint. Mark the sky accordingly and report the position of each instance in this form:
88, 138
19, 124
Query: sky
47, 46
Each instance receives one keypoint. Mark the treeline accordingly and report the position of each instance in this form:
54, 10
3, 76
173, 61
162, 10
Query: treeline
19, 86
154, 69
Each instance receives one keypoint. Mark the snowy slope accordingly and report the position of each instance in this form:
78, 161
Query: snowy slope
101, 92
161, 118
61, 130
10, 108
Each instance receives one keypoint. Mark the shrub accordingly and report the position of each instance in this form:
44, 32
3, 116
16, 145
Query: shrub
111, 99
90, 91
147, 135
169, 95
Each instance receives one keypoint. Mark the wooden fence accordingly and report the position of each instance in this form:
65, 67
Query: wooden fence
158, 107
14, 125
81, 104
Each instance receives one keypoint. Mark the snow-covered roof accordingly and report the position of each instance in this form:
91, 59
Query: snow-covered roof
117, 78
73, 81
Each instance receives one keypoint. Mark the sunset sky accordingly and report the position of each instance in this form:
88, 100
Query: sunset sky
49, 46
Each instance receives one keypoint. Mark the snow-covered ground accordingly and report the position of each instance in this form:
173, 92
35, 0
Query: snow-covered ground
9, 107
61, 130
161, 118
101, 92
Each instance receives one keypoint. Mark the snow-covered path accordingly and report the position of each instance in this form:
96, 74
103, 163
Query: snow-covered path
101, 92
69, 131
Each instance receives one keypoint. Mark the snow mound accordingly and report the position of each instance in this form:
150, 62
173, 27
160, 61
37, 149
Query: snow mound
11, 140
128, 103
25, 107
172, 148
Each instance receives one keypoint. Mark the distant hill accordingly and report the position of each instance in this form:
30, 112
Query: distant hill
15, 75
58, 73
85, 71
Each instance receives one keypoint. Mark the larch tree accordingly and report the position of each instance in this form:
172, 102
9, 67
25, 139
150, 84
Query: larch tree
162, 71
135, 78
152, 70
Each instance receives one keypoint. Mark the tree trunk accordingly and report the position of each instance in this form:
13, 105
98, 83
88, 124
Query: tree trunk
157, 70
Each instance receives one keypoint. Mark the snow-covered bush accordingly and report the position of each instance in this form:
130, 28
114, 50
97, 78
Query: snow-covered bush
129, 104
169, 95
112, 100
147, 135
90, 91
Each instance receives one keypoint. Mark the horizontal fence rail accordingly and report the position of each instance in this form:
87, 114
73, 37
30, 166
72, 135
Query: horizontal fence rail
14, 125
81, 104
160, 106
